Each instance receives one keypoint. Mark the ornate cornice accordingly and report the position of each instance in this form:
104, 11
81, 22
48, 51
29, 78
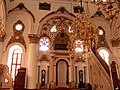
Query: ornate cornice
34, 38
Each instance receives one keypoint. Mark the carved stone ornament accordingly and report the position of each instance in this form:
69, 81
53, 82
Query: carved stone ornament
102, 40
34, 38
17, 36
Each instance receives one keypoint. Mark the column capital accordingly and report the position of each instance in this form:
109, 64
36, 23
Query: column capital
34, 38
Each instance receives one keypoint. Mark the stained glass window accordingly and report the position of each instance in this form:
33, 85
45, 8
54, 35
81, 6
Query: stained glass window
44, 44
79, 46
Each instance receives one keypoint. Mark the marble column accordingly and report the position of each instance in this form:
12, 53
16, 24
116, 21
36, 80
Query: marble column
52, 83
32, 60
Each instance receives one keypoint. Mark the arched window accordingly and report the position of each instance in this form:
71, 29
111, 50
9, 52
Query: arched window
44, 44
105, 55
14, 60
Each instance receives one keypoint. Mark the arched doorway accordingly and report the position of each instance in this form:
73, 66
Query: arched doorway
62, 73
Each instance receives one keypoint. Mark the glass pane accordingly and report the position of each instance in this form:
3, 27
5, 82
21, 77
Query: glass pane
105, 55
13, 77
16, 72
19, 56
19, 61
13, 67
14, 55
79, 46
44, 44
14, 61
13, 72
18, 66
53, 29
70, 30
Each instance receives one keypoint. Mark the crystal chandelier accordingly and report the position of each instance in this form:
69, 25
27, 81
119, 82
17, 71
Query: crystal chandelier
83, 34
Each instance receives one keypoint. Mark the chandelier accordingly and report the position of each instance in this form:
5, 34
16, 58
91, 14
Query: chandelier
83, 34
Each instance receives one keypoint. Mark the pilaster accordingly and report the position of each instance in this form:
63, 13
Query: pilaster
52, 82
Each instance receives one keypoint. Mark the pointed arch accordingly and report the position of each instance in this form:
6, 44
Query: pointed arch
61, 12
